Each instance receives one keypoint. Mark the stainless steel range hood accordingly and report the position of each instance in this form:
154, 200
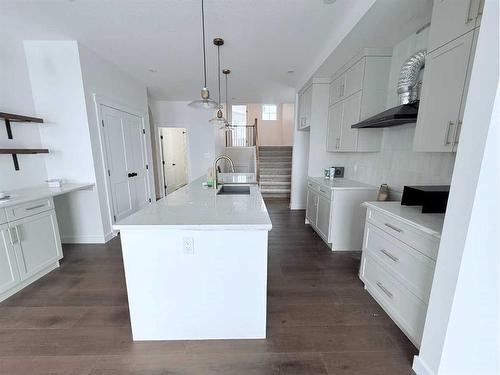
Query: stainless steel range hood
407, 90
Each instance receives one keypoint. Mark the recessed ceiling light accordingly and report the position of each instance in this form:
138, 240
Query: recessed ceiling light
290, 71
153, 70
329, 1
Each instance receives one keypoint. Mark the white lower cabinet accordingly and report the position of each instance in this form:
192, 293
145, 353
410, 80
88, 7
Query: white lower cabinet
9, 272
397, 269
36, 242
30, 246
335, 213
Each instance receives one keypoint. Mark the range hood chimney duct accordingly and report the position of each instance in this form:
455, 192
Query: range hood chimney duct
408, 76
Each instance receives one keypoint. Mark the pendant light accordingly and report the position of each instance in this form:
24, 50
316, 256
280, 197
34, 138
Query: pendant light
219, 118
205, 101
227, 125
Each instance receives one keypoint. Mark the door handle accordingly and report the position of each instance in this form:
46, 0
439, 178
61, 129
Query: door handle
173, 164
133, 174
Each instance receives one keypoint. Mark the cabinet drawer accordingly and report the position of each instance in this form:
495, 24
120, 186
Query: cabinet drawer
28, 209
414, 269
404, 308
419, 240
3, 216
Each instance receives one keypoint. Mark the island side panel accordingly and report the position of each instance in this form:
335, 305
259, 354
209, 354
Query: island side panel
217, 291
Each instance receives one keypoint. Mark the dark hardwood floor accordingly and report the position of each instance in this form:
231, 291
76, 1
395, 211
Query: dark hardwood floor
75, 320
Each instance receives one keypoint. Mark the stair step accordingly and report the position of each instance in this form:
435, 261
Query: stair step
279, 164
264, 159
275, 148
276, 177
275, 191
275, 153
275, 171
275, 184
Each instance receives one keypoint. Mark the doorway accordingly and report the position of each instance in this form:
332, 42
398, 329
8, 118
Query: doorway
126, 161
173, 152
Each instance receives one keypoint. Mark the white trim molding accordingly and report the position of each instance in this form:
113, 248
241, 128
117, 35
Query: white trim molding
420, 368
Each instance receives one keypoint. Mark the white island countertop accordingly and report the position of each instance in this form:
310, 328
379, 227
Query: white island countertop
197, 207
39, 192
411, 215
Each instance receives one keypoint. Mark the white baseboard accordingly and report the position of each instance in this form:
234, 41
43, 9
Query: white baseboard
83, 239
420, 368
297, 206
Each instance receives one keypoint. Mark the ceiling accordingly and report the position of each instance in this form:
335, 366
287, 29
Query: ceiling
264, 39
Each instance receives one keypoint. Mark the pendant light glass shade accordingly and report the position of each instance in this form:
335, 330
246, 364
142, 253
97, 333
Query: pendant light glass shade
205, 101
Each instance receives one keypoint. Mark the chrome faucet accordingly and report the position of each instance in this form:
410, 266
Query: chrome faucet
215, 167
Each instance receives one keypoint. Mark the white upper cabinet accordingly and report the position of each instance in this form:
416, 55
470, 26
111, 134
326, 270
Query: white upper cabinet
452, 19
305, 107
334, 129
444, 94
358, 91
354, 78
337, 88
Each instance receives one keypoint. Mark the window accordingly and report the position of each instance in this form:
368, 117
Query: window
269, 112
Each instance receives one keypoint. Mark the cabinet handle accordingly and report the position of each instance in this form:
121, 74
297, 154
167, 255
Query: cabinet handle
468, 18
337, 143
459, 128
389, 255
342, 87
322, 190
13, 231
393, 227
35, 207
384, 289
481, 8
448, 130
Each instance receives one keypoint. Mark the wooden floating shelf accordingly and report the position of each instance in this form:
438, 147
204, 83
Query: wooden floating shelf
11, 117
17, 151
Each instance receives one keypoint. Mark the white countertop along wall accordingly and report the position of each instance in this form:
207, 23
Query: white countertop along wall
341, 183
411, 215
197, 207
39, 192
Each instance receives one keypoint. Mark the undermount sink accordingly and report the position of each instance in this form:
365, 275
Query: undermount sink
234, 190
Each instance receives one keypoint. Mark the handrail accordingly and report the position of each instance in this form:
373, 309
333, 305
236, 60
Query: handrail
256, 143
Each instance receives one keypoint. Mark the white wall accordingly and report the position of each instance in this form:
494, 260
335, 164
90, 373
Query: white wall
300, 162
461, 329
106, 80
57, 86
64, 77
15, 97
396, 164
201, 134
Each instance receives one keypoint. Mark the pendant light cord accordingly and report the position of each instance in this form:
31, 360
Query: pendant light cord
218, 70
227, 102
204, 52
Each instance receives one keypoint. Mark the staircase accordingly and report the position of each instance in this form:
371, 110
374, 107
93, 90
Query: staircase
275, 170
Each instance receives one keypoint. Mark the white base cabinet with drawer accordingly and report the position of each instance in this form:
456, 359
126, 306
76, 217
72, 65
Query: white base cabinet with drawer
30, 245
334, 211
397, 265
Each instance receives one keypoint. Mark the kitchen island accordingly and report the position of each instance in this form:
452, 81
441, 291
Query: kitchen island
196, 265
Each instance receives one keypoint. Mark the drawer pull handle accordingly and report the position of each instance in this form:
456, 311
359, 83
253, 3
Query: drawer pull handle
323, 191
389, 255
35, 207
393, 227
384, 289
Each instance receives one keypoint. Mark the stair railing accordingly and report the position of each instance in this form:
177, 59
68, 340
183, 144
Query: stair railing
245, 136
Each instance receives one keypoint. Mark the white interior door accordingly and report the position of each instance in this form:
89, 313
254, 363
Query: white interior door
174, 158
126, 161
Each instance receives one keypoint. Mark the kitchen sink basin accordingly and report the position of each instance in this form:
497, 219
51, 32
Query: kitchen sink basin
234, 190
